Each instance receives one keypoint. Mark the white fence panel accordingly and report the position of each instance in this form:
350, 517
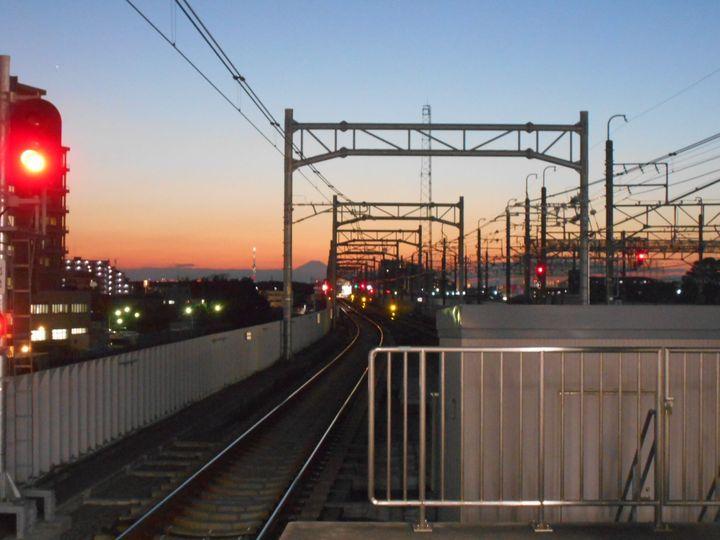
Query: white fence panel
56, 416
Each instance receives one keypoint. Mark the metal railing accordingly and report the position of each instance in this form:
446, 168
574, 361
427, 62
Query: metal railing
554, 434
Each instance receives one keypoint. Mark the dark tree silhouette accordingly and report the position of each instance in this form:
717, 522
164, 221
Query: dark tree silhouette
701, 284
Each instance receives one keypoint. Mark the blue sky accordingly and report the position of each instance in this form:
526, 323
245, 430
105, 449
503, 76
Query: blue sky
165, 172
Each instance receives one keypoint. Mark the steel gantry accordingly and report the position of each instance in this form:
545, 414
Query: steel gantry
322, 141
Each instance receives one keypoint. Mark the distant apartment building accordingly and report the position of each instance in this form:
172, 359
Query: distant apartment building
95, 275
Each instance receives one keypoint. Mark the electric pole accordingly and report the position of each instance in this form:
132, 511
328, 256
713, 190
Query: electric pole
443, 273
701, 241
609, 217
487, 267
479, 263
543, 233
507, 251
527, 238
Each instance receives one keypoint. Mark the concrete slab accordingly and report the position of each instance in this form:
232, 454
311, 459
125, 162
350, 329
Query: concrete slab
318, 530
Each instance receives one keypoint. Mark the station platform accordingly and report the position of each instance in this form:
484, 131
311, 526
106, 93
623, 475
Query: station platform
328, 530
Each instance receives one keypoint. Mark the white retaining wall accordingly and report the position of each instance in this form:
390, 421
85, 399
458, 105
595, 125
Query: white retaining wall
57, 416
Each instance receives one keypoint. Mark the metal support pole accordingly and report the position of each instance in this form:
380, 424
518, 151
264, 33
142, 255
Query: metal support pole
584, 210
701, 227
456, 271
487, 268
443, 272
4, 113
479, 263
609, 240
333, 263
507, 252
419, 280
460, 287
287, 237
527, 249
609, 214
543, 241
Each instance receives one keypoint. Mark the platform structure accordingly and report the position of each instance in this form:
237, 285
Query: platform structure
301, 530
556, 415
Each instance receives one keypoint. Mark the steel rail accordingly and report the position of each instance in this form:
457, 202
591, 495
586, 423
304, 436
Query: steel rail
281, 503
188, 481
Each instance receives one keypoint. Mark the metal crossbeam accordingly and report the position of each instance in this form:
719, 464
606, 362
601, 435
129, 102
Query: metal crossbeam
307, 143
323, 141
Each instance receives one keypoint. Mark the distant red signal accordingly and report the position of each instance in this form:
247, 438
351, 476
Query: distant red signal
540, 270
641, 256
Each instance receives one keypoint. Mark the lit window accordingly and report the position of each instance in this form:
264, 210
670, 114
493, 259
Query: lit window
248, 336
59, 308
76, 331
39, 334
78, 308
36, 309
59, 334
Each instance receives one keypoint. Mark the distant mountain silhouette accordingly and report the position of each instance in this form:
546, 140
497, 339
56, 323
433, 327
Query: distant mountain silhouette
308, 272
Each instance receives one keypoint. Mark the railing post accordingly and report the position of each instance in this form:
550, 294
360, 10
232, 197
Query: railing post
422, 525
541, 525
434, 397
660, 442
371, 425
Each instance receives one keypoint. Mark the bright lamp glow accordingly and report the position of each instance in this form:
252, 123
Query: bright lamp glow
33, 161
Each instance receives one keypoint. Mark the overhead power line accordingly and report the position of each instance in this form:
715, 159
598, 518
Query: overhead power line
222, 94
225, 60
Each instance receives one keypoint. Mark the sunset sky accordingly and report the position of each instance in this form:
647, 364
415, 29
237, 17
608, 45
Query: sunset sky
164, 172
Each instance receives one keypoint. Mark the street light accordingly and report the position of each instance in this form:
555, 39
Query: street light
609, 247
527, 237
543, 232
479, 258
508, 284
553, 167
526, 183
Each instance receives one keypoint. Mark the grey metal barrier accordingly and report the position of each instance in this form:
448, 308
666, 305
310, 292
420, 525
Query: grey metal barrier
545, 434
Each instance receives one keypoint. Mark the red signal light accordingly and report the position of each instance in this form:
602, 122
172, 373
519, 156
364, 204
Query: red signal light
33, 162
540, 270
34, 147
4, 325
641, 256
325, 287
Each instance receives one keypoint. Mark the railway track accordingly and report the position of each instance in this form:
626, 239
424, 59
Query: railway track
242, 491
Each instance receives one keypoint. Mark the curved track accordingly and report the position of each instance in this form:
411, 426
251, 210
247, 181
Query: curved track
242, 490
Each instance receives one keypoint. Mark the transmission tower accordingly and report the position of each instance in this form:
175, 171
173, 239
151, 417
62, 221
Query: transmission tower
254, 264
426, 182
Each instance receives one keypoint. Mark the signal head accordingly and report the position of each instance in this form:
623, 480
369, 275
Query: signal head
33, 161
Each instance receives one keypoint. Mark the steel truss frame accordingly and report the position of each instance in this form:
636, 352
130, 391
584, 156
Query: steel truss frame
350, 213
330, 140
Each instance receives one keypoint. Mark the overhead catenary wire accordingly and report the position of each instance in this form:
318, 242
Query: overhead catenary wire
217, 89
217, 49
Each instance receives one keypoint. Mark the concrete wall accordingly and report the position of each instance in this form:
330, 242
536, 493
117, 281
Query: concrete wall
588, 445
60, 415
